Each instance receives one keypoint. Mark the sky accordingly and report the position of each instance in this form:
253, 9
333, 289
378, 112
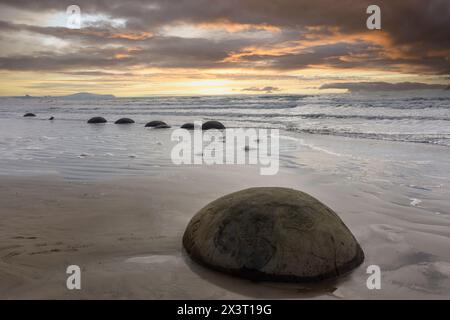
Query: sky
208, 47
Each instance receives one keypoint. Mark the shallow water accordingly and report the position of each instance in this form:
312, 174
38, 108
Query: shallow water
417, 116
413, 174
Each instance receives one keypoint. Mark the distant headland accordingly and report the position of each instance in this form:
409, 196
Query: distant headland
75, 96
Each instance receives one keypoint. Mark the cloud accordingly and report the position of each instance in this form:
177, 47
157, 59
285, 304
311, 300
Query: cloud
415, 37
381, 86
158, 52
264, 89
407, 21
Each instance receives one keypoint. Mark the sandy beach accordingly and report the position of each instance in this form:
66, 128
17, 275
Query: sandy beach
125, 235
188, 150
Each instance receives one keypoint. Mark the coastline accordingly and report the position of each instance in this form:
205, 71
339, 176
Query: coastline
125, 234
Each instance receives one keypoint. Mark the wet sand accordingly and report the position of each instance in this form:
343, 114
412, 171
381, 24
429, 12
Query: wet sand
125, 234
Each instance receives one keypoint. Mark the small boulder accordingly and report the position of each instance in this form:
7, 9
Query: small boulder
274, 234
213, 125
51, 118
188, 126
124, 121
155, 123
97, 120
29, 114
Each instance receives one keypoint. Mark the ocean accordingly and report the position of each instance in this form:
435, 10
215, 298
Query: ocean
390, 138
422, 117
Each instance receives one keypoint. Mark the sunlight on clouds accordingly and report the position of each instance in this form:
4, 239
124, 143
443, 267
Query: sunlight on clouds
138, 48
229, 26
143, 82
221, 29
23, 42
59, 19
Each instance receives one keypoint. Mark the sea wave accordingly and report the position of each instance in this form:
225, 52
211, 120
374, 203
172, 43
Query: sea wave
437, 139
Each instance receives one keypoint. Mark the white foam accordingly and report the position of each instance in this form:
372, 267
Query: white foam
415, 202
312, 146
153, 259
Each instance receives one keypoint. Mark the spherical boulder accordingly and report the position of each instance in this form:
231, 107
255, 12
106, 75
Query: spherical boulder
155, 123
188, 126
274, 234
124, 121
97, 120
29, 114
213, 125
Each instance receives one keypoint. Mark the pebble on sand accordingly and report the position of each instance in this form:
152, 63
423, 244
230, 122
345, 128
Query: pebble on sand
274, 234
97, 120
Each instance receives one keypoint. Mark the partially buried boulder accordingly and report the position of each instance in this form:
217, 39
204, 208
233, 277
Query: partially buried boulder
29, 114
124, 121
97, 120
275, 234
188, 126
162, 126
213, 125
155, 123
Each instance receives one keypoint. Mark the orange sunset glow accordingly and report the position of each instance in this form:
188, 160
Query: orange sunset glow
218, 47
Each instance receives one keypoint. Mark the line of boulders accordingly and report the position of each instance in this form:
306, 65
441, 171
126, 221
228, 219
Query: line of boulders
156, 124
31, 115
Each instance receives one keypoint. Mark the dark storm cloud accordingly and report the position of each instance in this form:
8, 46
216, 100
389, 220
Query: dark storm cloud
166, 52
346, 56
97, 35
361, 55
417, 29
49, 61
331, 54
407, 21
381, 86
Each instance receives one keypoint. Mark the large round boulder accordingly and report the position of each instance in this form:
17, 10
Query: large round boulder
29, 114
213, 125
97, 120
124, 121
275, 234
155, 123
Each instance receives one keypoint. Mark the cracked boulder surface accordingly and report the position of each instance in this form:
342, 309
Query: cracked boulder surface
275, 234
